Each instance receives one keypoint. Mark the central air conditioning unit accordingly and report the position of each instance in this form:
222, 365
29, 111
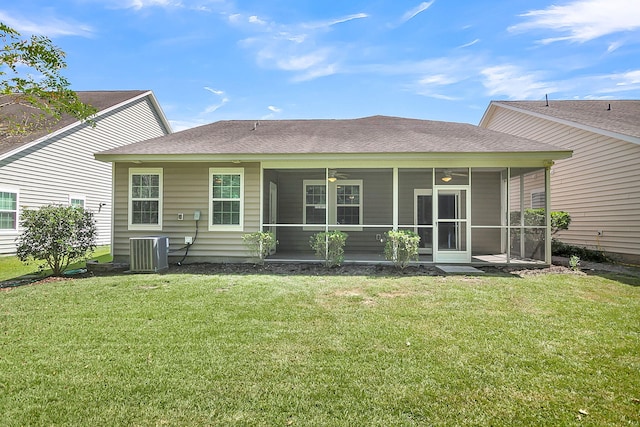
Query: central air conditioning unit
149, 254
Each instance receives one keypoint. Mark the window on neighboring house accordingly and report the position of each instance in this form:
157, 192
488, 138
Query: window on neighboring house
8, 210
538, 199
145, 199
77, 201
344, 200
226, 199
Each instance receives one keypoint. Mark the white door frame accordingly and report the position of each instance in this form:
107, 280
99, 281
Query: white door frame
273, 210
417, 192
453, 255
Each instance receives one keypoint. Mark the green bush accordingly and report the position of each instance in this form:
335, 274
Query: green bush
57, 235
329, 246
260, 244
401, 247
559, 248
560, 220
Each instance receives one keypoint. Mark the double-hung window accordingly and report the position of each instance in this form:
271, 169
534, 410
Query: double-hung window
315, 202
348, 206
145, 199
342, 199
8, 210
226, 199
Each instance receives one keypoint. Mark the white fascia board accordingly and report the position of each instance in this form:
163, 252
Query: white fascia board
296, 161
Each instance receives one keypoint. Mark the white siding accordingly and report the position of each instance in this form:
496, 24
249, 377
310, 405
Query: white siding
52, 170
599, 186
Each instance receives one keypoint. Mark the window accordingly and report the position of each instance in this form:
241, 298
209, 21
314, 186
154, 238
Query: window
348, 204
8, 210
538, 199
226, 199
315, 202
145, 199
345, 202
77, 201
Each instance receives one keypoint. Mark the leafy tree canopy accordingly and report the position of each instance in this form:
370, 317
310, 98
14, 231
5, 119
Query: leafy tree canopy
30, 76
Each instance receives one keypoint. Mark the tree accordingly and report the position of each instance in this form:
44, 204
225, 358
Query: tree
30, 76
58, 235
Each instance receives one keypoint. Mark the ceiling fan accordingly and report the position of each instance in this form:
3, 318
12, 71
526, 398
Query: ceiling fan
334, 175
449, 174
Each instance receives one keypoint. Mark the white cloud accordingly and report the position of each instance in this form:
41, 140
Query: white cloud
416, 11
49, 26
438, 79
255, 20
274, 109
515, 82
471, 43
296, 48
212, 108
583, 20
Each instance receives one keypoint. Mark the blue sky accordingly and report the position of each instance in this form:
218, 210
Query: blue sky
210, 60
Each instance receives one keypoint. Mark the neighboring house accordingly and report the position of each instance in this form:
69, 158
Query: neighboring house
449, 182
56, 164
600, 185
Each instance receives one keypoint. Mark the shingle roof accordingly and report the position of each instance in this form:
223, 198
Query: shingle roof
99, 99
617, 116
377, 134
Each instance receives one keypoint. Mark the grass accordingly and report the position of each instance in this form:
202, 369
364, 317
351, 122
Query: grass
267, 350
11, 267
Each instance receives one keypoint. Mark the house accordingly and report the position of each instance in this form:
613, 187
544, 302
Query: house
600, 185
56, 164
458, 186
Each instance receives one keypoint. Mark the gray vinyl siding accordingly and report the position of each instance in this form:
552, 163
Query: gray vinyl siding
186, 189
599, 186
63, 165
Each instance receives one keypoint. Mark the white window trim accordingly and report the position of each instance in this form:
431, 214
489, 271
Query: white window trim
226, 171
78, 197
306, 183
332, 202
146, 171
16, 191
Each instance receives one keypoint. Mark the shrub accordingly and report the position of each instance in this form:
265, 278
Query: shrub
329, 246
56, 234
401, 247
574, 262
560, 220
260, 244
562, 249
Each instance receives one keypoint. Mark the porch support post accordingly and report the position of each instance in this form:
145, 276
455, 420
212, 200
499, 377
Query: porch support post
261, 183
522, 229
547, 214
395, 198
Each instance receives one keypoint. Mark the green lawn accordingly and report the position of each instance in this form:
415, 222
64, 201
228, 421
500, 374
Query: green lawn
11, 267
268, 350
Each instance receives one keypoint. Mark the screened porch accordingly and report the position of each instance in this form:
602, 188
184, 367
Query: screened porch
462, 215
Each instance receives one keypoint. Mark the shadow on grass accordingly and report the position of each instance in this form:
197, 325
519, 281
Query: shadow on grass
625, 278
77, 269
